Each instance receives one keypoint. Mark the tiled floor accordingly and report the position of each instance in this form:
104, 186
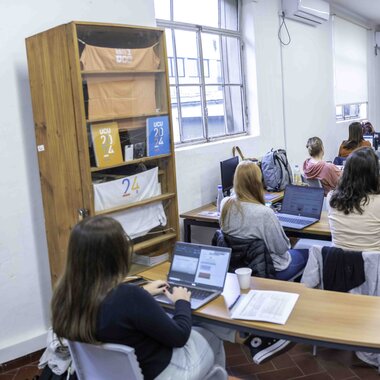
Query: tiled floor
298, 363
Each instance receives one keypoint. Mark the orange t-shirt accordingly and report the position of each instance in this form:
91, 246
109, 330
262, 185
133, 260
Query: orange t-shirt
344, 152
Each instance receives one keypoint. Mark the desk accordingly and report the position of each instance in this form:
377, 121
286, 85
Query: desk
331, 319
199, 217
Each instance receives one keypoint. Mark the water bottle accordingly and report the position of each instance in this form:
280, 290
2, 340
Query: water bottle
297, 180
219, 198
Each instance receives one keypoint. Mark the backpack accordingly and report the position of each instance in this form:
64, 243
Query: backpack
276, 170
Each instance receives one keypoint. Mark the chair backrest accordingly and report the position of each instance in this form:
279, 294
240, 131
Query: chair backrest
339, 160
312, 182
105, 361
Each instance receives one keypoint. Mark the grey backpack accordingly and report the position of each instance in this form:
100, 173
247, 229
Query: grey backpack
276, 170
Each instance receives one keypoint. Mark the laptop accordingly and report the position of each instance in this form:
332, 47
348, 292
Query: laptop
369, 138
301, 206
200, 268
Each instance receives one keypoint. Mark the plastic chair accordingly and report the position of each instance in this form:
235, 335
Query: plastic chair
312, 182
339, 160
115, 362
105, 361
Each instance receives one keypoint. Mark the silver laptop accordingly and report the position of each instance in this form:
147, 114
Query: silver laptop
301, 206
200, 268
369, 138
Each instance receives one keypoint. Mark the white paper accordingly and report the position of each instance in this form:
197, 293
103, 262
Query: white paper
209, 213
266, 306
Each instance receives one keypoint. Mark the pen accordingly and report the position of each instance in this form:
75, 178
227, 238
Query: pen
235, 302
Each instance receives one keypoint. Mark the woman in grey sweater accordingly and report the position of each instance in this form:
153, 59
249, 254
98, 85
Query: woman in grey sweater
245, 216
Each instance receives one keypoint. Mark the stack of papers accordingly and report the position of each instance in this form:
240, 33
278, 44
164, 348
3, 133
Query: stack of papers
150, 260
265, 305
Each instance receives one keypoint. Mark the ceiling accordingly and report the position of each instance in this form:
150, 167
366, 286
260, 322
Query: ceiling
367, 9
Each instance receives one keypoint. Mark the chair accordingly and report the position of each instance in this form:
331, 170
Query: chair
313, 278
339, 160
105, 361
115, 362
312, 182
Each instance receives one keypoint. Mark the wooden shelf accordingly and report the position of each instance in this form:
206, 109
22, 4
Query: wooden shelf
118, 72
132, 162
121, 117
137, 204
154, 241
137, 268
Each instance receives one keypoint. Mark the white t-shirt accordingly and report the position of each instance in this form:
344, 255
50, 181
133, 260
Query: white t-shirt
357, 232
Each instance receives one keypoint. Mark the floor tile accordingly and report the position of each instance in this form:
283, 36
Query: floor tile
283, 361
307, 363
8, 375
283, 374
315, 376
27, 373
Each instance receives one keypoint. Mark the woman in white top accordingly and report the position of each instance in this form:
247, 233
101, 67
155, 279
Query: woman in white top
354, 206
245, 216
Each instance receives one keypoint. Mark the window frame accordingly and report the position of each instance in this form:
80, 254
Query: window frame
226, 85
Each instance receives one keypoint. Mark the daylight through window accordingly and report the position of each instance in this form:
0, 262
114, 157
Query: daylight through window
205, 68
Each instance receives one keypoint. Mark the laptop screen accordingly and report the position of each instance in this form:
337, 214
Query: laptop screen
369, 138
199, 265
303, 200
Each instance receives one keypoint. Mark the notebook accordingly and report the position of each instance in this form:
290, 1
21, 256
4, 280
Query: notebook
301, 206
200, 268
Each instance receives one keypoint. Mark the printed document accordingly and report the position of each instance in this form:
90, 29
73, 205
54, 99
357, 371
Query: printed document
266, 306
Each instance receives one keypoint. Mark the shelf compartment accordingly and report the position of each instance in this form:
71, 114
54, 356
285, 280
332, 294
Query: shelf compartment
114, 118
144, 202
111, 72
132, 162
154, 241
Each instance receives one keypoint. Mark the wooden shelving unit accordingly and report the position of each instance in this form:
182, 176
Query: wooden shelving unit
63, 109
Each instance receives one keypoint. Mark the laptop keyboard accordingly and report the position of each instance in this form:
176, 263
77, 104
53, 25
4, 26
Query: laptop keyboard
198, 294
294, 220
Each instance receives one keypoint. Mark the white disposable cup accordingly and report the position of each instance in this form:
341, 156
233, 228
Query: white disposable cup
244, 277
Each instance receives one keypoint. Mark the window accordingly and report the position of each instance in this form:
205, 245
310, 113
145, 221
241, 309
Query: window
351, 111
205, 68
350, 59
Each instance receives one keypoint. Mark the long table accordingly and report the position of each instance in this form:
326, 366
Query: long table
206, 216
321, 317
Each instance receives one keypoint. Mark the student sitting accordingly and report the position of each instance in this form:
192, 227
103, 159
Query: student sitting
92, 303
368, 128
354, 206
355, 140
245, 216
316, 168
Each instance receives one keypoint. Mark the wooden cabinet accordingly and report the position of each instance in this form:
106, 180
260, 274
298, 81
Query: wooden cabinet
85, 76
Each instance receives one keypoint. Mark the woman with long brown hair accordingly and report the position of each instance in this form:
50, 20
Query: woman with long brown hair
245, 216
92, 303
355, 140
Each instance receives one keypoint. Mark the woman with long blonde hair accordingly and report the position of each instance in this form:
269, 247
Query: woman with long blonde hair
245, 216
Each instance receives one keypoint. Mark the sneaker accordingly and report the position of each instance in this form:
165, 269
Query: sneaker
263, 349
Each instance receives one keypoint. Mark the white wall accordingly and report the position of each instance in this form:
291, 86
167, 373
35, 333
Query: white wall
24, 272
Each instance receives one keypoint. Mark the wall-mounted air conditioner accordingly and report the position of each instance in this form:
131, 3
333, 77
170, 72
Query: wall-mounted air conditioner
312, 12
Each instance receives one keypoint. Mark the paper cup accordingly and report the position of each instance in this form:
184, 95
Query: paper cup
244, 277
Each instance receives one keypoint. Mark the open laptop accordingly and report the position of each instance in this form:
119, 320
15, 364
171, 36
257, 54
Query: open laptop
370, 139
200, 268
301, 206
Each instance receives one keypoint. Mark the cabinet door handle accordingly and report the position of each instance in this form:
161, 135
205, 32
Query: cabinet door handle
82, 213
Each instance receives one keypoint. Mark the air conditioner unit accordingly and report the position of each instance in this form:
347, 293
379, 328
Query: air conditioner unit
312, 12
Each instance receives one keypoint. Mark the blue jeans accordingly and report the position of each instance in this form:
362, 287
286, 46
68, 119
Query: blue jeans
299, 260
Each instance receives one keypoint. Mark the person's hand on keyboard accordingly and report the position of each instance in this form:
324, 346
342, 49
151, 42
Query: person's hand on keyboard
156, 287
177, 293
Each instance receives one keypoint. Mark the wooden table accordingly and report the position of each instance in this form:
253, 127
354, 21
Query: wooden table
321, 317
205, 216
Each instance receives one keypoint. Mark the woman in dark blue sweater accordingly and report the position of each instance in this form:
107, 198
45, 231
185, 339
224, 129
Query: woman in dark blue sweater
93, 304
